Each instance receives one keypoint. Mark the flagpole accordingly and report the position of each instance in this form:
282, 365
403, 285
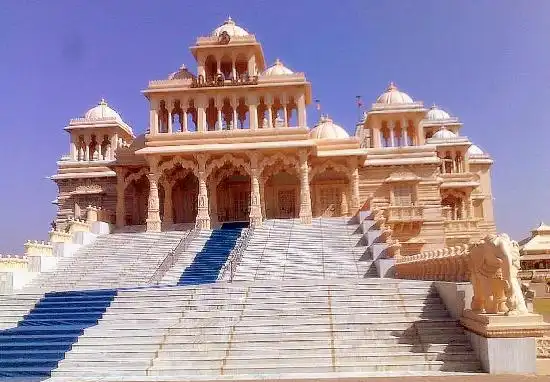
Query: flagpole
359, 105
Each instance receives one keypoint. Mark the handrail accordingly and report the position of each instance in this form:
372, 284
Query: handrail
173, 256
236, 254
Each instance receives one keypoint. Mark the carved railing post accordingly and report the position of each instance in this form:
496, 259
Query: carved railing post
255, 196
153, 210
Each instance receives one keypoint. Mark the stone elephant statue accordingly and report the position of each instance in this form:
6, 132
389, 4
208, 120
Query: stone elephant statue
494, 265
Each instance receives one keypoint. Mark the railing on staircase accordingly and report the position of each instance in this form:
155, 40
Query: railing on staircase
448, 264
236, 255
173, 256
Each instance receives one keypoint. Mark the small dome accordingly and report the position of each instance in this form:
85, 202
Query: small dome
277, 69
326, 129
231, 28
181, 74
102, 111
392, 96
474, 150
444, 133
436, 114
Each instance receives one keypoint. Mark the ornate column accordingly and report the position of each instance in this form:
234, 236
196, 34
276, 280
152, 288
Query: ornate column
354, 185
255, 198
153, 118
220, 125
120, 202
305, 197
87, 140
391, 126
269, 105
169, 111
168, 210
153, 208
252, 101
234, 104
201, 114
74, 152
404, 129
203, 217
233, 68
301, 111
285, 113
344, 203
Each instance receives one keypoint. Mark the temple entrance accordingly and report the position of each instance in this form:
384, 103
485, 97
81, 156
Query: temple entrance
330, 194
233, 198
185, 199
136, 196
282, 195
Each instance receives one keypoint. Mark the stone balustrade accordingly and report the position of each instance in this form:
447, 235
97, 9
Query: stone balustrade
404, 213
78, 225
59, 236
13, 262
448, 264
461, 225
38, 248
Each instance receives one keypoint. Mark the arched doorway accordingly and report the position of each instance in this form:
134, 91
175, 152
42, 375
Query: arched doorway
233, 195
136, 196
282, 195
184, 198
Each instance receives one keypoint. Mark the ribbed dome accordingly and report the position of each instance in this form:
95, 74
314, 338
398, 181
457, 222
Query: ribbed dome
277, 69
102, 111
231, 28
436, 114
181, 74
392, 96
326, 129
444, 133
474, 150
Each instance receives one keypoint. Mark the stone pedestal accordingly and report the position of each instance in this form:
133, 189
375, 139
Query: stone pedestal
101, 228
504, 344
65, 249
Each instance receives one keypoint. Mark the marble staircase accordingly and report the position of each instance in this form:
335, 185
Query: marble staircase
111, 261
284, 249
266, 329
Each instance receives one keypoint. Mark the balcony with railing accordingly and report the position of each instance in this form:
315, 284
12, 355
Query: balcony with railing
404, 214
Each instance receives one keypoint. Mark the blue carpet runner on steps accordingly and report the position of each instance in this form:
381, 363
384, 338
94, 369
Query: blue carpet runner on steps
208, 262
32, 349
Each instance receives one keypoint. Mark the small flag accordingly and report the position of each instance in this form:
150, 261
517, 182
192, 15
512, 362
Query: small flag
359, 101
318, 105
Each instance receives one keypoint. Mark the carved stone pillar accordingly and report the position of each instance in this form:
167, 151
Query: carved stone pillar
87, 151
201, 114
404, 129
301, 111
170, 116
255, 198
153, 209
120, 202
344, 203
253, 111
203, 216
269, 115
262, 196
391, 125
168, 210
305, 197
234, 105
354, 183
219, 106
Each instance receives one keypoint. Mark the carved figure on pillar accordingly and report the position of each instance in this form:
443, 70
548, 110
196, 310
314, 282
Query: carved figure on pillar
255, 197
153, 208
305, 197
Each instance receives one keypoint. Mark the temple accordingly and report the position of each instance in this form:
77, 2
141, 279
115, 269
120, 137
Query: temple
232, 142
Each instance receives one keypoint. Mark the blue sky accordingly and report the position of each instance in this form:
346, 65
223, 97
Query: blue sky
487, 62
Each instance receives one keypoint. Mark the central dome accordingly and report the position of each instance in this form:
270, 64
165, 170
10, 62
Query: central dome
231, 28
102, 111
326, 129
392, 96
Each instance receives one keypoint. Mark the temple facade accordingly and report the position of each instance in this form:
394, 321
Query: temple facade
231, 142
